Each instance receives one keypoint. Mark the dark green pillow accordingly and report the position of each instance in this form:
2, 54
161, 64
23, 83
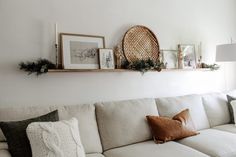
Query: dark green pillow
15, 133
231, 112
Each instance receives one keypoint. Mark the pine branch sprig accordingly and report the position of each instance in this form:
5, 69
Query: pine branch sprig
39, 67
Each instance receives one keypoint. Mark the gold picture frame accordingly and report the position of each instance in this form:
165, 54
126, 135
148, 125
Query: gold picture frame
79, 51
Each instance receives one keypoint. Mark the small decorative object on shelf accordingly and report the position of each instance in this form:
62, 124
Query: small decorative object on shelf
106, 59
57, 56
180, 60
210, 66
119, 55
39, 67
199, 55
199, 64
56, 46
145, 65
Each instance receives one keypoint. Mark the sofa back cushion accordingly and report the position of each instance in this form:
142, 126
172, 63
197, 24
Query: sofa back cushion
169, 107
84, 113
216, 107
124, 122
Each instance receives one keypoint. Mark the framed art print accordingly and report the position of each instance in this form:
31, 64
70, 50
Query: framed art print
188, 56
106, 59
80, 51
170, 58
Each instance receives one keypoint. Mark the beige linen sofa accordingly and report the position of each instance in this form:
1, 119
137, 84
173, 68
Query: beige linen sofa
119, 128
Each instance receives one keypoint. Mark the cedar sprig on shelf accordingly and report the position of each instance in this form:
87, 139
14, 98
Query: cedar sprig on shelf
39, 67
145, 65
210, 66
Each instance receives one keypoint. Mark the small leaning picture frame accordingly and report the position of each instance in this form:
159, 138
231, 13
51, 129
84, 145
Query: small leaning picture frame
170, 58
187, 56
106, 59
80, 51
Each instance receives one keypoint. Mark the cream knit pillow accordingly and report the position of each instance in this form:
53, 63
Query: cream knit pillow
55, 139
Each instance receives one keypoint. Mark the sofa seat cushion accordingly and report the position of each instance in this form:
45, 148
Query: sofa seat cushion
124, 122
216, 106
213, 142
228, 127
84, 113
150, 149
5, 153
168, 107
94, 155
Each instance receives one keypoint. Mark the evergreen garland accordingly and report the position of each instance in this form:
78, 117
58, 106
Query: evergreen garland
39, 67
144, 65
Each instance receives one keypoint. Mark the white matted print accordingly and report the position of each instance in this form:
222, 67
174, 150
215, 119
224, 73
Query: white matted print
106, 59
170, 58
81, 51
189, 56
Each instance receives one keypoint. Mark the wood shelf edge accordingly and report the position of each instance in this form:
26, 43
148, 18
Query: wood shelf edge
120, 70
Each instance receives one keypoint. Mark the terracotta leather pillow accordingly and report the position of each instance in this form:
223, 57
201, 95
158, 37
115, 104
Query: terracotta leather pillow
166, 129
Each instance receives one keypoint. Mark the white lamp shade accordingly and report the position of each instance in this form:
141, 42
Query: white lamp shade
226, 53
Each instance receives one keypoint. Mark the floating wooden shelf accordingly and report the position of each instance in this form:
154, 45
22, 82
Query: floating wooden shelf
89, 70
119, 70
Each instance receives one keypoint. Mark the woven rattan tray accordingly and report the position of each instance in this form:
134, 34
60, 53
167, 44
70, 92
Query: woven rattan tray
140, 43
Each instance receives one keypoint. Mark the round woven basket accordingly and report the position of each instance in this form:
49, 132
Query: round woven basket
140, 43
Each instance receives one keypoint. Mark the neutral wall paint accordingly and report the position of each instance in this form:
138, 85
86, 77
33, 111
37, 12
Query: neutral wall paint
27, 32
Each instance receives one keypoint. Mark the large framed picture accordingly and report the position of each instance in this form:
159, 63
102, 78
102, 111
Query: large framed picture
80, 51
170, 58
106, 59
188, 55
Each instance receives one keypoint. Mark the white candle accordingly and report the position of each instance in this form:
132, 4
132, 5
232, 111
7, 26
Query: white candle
56, 34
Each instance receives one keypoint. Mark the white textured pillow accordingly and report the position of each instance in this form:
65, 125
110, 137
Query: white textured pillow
233, 104
55, 139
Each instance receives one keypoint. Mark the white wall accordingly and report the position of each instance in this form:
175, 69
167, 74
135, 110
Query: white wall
27, 33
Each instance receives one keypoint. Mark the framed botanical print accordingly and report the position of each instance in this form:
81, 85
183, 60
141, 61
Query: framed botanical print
106, 59
80, 51
188, 56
